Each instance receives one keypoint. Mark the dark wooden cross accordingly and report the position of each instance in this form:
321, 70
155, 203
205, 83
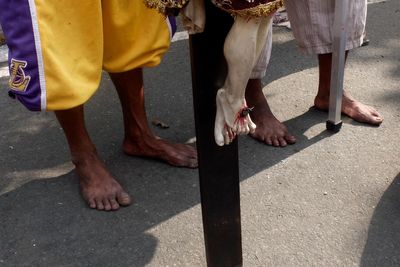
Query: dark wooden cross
218, 166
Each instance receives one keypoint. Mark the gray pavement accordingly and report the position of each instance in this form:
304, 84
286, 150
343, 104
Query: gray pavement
328, 200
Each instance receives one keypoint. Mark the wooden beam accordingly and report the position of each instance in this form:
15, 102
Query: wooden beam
218, 166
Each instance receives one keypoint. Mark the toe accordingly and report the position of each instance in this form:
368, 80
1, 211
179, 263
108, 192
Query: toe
92, 204
218, 135
114, 204
107, 204
192, 152
252, 126
268, 141
275, 141
227, 138
179, 159
240, 130
282, 142
193, 163
290, 139
232, 135
187, 161
220, 139
99, 205
243, 129
376, 120
236, 128
363, 113
369, 118
124, 199
247, 129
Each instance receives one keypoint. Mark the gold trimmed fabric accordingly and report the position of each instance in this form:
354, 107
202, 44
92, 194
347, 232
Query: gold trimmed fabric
164, 5
261, 10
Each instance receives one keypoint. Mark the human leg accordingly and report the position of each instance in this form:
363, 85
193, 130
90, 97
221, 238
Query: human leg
128, 48
98, 186
41, 79
269, 129
350, 107
139, 140
313, 34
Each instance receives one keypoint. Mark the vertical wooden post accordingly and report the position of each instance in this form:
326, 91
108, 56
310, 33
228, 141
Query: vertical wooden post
218, 166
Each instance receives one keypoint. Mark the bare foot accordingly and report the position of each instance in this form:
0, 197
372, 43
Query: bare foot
269, 129
232, 118
99, 188
354, 109
179, 155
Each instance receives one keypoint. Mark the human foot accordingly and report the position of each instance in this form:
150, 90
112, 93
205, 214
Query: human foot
232, 118
269, 129
100, 190
353, 109
179, 155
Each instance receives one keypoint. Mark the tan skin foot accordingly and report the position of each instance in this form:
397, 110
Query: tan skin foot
99, 188
138, 138
353, 109
179, 155
350, 107
269, 129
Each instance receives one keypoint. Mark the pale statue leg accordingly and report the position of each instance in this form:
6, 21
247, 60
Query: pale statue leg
242, 47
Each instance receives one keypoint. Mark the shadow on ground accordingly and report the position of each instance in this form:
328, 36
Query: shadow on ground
383, 243
44, 222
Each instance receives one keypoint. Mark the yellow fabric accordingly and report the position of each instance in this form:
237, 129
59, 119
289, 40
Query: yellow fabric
142, 37
80, 38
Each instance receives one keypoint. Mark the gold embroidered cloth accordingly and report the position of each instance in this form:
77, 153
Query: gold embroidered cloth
244, 8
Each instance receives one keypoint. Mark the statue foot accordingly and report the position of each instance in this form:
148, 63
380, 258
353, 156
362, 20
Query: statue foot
232, 119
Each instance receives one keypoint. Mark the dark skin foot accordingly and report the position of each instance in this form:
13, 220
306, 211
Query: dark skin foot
178, 155
139, 139
100, 190
269, 129
350, 107
353, 109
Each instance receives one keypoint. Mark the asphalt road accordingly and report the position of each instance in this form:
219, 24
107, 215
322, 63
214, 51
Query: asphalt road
328, 200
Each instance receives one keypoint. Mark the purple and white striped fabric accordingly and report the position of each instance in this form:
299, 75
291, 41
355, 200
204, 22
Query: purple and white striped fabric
171, 21
18, 19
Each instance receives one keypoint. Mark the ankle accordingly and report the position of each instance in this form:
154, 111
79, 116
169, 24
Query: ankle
236, 103
142, 143
256, 98
139, 137
321, 98
81, 157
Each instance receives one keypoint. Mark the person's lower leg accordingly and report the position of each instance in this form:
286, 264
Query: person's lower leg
139, 140
269, 129
324, 85
99, 188
350, 106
